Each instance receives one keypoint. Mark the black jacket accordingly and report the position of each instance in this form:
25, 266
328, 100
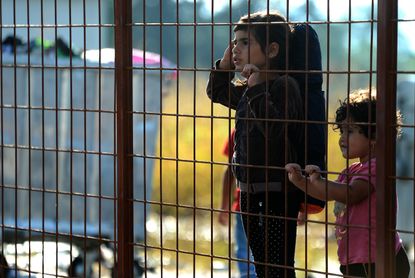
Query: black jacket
264, 139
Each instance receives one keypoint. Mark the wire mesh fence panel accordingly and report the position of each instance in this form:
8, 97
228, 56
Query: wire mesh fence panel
207, 138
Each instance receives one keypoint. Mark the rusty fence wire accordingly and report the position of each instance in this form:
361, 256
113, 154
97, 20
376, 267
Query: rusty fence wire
112, 154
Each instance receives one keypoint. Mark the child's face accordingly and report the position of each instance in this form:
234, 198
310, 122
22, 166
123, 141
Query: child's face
247, 50
354, 144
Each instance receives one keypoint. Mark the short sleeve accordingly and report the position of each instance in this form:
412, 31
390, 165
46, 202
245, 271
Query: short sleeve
367, 172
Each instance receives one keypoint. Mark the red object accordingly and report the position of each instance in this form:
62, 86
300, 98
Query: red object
311, 208
228, 151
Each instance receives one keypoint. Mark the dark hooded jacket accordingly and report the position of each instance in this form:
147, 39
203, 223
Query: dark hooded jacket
265, 138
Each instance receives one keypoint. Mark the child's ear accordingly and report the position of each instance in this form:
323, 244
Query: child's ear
273, 50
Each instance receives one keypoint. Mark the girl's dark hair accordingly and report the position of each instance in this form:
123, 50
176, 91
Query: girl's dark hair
268, 27
357, 108
360, 108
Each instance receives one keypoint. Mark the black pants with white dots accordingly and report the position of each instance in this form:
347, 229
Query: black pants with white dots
270, 234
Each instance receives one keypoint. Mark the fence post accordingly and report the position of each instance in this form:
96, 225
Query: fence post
123, 86
386, 137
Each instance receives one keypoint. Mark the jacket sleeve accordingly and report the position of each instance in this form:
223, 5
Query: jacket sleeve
270, 103
221, 89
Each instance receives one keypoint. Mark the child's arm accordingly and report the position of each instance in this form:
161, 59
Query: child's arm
227, 186
270, 104
220, 88
327, 190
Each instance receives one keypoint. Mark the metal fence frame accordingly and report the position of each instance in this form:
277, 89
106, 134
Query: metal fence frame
386, 134
386, 137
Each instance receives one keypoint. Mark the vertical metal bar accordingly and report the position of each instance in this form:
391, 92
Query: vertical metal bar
177, 134
43, 132
123, 80
229, 115
211, 182
194, 139
326, 211
211, 185
71, 136
248, 198
211, 169
85, 157
14, 105
161, 181
306, 92
229, 134
348, 123
29, 136
56, 139
161, 126
144, 120
161, 167
386, 136
144, 128
371, 212
286, 159
99, 137
114, 148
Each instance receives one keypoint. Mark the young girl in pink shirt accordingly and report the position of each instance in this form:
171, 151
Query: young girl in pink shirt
355, 189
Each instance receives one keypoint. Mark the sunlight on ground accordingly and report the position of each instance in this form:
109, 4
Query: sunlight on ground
207, 243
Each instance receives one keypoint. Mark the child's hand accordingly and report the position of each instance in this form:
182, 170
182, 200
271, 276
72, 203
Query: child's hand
294, 172
252, 74
314, 172
302, 217
223, 218
227, 62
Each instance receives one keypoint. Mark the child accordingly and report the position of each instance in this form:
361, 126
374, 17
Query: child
355, 187
242, 251
263, 141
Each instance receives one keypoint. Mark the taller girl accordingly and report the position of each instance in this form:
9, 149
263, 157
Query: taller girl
264, 140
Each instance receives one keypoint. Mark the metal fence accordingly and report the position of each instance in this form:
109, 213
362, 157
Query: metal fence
110, 150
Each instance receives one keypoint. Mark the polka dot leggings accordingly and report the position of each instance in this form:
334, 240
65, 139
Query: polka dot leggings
271, 238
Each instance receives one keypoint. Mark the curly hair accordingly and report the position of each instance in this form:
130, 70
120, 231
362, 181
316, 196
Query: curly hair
268, 27
360, 109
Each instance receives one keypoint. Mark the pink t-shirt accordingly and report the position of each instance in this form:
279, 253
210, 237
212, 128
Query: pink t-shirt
353, 221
